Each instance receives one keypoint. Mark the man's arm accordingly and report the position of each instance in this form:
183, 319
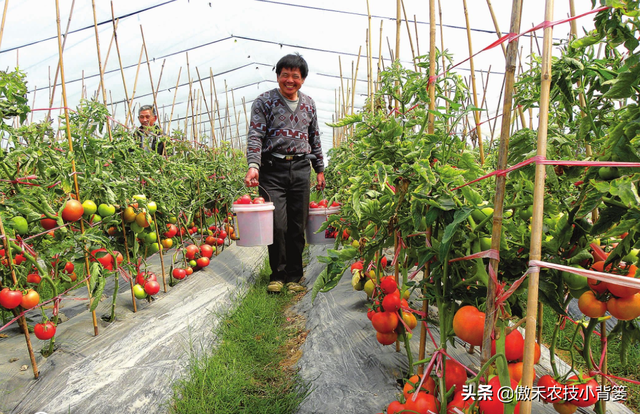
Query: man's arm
257, 131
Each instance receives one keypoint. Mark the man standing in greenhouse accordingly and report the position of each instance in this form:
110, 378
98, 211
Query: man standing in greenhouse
282, 145
149, 133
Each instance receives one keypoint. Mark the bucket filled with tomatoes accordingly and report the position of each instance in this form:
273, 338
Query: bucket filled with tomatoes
319, 211
255, 221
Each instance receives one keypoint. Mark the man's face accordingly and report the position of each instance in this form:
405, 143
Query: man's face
146, 118
290, 81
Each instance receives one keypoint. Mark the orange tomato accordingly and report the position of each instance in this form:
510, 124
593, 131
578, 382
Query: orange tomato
591, 306
623, 291
468, 324
626, 308
428, 386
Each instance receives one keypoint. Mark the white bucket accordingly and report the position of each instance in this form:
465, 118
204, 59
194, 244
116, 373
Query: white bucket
255, 224
317, 216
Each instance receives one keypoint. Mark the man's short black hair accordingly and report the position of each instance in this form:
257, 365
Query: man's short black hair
293, 61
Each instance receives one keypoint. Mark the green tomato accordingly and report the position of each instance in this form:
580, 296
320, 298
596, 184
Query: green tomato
173, 219
90, 208
525, 214
138, 291
608, 173
106, 210
136, 228
574, 281
154, 248
193, 263
632, 257
152, 206
151, 237
20, 225
95, 218
139, 197
481, 214
485, 243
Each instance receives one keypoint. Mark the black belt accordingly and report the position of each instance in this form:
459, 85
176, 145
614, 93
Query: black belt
287, 157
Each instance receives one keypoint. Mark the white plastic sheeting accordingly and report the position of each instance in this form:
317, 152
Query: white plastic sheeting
239, 43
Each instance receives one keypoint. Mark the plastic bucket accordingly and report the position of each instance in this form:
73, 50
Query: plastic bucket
317, 216
255, 224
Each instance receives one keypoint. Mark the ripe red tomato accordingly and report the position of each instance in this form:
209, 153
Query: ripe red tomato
458, 402
258, 200
385, 322
152, 287
192, 250
206, 250
582, 392
395, 407
323, 203
210, 240
220, 241
428, 386
172, 231
203, 262
48, 223
189, 270
513, 346
468, 325
551, 390
386, 338
245, 199
69, 267
72, 211
33, 278
454, 375
222, 234
30, 299
179, 273
391, 302
357, 266
493, 405
44, 331
143, 277
103, 257
10, 299
388, 285
313, 204
422, 403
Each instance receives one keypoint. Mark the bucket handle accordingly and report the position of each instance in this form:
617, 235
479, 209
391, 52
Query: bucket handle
265, 191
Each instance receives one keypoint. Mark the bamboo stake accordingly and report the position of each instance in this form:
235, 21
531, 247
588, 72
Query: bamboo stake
215, 93
535, 252
55, 79
369, 59
476, 114
106, 59
413, 52
73, 162
146, 55
430, 130
22, 320
495, 24
4, 18
135, 83
126, 250
173, 104
581, 98
355, 78
510, 68
124, 81
100, 68
33, 103
186, 118
205, 103
398, 26
237, 117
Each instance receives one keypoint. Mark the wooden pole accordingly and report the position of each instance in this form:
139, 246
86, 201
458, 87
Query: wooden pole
215, 93
476, 114
135, 82
430, 130
398, 26
495, 24
355, 79
209, 111
413, 52
124, 81
369, 59
100, 68
510, 70
173, 104
73, 162
535, 252
55, 78
22, 321
4, 18
146, 55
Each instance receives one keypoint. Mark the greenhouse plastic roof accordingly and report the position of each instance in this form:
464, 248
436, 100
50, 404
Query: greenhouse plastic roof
239, 43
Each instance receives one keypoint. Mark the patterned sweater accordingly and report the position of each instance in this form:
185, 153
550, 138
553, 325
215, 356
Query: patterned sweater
275, 128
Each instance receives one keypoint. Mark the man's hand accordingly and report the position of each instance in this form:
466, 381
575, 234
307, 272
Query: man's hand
251, 179
321, 184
